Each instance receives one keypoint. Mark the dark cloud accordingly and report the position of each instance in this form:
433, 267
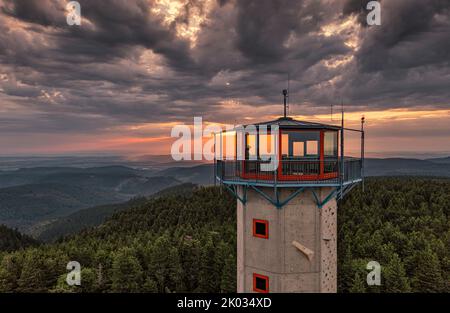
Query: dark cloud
412, 33
43, 12
127, 64
404, 62
113, 27
264, 26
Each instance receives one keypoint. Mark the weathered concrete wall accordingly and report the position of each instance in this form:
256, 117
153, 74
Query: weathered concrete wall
288, 268
328, 280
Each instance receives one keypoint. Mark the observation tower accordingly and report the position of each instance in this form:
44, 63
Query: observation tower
287, 176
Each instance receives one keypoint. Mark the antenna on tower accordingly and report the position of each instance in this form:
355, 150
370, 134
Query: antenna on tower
288, 100
285, 94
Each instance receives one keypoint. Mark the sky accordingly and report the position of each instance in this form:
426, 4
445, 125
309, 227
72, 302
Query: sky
134, 69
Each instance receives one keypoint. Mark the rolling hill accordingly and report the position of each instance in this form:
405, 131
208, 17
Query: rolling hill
32, 197
23, 206
11, 240
200, 174
187, 243
95, 216
107, 176
80, 220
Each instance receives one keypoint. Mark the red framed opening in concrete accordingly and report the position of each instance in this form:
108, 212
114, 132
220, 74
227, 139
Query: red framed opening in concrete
260, 283
261, 228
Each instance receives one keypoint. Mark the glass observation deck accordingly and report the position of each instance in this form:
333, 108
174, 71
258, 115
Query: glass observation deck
296, 154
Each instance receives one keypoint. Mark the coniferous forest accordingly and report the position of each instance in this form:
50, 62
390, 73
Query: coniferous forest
187, 243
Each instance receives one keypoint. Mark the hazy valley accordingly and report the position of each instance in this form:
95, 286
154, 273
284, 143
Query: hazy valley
65, 196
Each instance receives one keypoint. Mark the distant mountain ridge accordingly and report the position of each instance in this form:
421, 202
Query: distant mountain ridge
26, 205
409, 167
32, 196
199, 174
203, 174
95, 216
35, 175
445, 160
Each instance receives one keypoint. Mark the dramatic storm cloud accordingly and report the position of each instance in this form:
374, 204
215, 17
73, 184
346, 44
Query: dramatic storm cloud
134, 68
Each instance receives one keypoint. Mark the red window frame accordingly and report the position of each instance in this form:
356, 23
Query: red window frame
266, 223
269, 176
266, 278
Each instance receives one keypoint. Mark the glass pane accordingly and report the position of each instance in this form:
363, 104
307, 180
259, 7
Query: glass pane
299, 147
250, 152
295, 144
312, 147
285, 144
330, 144
266, 145
229, 145
217, 147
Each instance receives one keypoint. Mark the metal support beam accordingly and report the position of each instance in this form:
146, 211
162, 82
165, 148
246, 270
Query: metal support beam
262, 193
276, 202
291, 196
236, 194
321, 203
345, 190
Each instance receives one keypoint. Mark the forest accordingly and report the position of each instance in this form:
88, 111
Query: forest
186, 242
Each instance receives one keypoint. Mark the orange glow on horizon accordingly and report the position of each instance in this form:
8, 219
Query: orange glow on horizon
388, 131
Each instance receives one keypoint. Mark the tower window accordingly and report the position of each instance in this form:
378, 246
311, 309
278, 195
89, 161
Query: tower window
299, 148
260, 283
312, 147
261, 228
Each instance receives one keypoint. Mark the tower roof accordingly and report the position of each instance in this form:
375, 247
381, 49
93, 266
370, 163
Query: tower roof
289, 122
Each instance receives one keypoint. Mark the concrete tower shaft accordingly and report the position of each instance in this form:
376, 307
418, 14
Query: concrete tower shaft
299, 253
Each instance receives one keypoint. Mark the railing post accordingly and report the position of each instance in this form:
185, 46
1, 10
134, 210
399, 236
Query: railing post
342, 153
362, 152
215, 161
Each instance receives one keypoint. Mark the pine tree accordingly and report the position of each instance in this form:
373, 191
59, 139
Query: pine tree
89, 280
394, 276
428, 277
189, 252
150, 286
126, 272
35, 275
358, 284
228, 282
165, 265
10, 269
209, 277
